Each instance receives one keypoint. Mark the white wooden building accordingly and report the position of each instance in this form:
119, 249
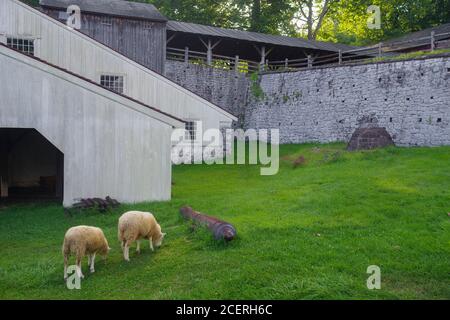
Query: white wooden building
109, 144
55, 43
78, 119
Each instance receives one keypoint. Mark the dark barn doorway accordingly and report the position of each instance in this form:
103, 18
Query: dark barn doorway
31, 168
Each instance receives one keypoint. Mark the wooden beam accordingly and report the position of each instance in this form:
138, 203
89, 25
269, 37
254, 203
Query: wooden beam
209, 47
216, 44
186, 55
433, 40
209, 53
263, 54
171, 38
204, 43
310, 61
257, 49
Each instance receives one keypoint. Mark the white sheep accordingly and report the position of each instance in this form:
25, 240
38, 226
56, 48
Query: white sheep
136, 225
81, 241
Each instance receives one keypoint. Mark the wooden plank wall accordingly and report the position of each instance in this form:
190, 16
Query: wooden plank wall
74, 51
142, 41
111, 145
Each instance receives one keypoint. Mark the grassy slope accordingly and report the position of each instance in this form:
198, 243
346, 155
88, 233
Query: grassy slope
304, 233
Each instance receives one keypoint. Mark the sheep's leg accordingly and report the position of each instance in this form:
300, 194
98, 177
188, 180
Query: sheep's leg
89, 260
66, 263
79, 272
151, 244
138, 248
92, 265
126, 251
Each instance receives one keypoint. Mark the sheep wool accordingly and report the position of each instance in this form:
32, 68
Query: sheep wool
136, 225
81, 241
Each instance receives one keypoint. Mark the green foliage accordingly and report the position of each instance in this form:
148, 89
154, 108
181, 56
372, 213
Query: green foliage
345, 22
412, 55
255, 87
34, 3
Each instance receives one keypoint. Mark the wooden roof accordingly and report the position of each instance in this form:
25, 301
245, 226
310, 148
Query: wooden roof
255, 37
122, 8
441, 32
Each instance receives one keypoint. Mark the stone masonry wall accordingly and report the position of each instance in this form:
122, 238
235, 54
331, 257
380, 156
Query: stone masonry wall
411, 99
225, 88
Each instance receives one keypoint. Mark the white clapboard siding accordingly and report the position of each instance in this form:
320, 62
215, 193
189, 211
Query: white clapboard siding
111, 145
72, 50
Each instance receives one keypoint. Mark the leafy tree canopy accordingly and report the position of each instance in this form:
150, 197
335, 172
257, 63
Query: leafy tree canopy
342, 21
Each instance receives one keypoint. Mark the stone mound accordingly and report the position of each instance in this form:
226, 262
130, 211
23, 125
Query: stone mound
370, 138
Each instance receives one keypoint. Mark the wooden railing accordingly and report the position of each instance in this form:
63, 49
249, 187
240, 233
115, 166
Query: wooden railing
218, 61
360, 55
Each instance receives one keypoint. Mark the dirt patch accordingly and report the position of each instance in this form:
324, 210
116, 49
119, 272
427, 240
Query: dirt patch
299, 162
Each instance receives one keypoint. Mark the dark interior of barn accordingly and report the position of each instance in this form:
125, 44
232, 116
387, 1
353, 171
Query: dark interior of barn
31, 168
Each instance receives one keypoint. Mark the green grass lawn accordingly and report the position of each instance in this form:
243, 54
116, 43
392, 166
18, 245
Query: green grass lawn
306, 233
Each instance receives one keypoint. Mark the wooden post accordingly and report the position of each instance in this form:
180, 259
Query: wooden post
209, 53
433, 43
340, 57
263, 57
286, 64
380, 49
236, 64
186, 55
310, 61
209, 47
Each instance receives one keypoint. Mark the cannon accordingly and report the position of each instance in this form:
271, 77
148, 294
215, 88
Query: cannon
220, 229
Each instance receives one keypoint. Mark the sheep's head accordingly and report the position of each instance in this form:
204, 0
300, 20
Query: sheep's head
158, 241
105, 249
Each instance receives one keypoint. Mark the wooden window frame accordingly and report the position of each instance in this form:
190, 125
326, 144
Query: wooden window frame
115, 85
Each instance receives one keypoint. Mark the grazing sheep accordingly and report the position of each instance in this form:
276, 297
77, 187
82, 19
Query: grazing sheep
136, 225
81, 241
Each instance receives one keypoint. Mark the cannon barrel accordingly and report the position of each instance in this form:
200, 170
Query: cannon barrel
220, 229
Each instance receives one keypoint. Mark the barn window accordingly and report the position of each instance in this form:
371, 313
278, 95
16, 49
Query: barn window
112, 82
24, 45
106, 21
191, 129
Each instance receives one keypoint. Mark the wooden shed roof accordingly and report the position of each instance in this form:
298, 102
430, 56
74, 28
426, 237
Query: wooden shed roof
120, 8
441, 31
193, 28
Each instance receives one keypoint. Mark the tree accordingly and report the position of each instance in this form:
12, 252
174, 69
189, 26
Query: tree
343, 21
311, 14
